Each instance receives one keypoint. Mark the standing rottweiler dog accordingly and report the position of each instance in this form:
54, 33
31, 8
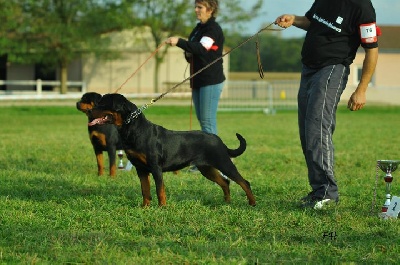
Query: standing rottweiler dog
154, 149
103, 137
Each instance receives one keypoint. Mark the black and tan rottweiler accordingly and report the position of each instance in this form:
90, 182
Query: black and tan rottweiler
154, 149
104, 137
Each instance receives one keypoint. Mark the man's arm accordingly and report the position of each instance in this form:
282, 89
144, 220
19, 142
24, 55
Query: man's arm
286, 21
358, 98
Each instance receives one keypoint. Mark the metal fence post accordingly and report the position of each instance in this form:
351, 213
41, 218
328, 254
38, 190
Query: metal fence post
84, 88
270, 98
254, 89
39, 87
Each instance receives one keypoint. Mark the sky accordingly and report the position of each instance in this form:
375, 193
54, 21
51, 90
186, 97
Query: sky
387, 13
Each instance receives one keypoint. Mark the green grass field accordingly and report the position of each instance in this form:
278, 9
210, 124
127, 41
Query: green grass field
55, 210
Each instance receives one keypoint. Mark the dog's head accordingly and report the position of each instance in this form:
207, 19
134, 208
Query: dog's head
88, 101
112, 109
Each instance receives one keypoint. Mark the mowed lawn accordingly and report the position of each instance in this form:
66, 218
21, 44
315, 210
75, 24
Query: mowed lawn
54, 209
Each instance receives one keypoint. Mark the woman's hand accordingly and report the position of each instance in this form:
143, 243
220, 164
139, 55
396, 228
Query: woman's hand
172, 41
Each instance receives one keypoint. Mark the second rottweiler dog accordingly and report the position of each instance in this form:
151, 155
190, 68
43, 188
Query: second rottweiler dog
104, 137
154, 149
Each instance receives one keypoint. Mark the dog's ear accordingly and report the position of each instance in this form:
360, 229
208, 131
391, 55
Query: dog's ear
122, 104
105, 102
96, 98
118, 103
86, 97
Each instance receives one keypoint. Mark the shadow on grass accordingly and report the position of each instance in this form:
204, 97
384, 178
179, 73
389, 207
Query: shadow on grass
25, 185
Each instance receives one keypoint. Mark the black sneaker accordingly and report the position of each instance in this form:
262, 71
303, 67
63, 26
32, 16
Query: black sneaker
308, 197
320, 204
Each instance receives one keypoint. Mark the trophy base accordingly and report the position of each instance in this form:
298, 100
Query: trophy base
392, 211
384, 216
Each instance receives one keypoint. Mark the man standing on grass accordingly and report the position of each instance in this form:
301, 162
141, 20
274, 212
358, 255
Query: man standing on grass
335, 30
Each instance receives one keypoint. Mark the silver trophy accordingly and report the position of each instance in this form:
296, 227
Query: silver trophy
121, 162
387, 166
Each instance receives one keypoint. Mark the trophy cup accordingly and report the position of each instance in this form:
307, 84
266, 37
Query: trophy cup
387, 166
120, 156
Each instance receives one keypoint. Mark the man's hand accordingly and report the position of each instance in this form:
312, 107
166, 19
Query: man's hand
356, 101
285, 21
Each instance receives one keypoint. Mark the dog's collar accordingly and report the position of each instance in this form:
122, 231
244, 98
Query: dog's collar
137, 112
133, 116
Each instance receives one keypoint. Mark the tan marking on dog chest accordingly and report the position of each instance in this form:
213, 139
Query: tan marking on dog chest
140, 156
100, 137
118, 119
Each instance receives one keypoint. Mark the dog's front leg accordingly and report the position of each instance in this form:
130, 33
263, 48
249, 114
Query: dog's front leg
160, 188
145, 185
100, 162
112, 161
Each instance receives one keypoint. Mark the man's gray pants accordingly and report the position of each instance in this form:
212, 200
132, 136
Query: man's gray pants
318, 97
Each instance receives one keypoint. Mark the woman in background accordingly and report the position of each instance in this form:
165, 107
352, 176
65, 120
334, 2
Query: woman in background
205, 45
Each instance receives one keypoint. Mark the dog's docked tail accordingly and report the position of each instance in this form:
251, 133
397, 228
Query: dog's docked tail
240, 149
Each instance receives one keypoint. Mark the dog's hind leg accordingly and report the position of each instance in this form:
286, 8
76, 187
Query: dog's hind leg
144, 178
214, 175
246, 187
230, 170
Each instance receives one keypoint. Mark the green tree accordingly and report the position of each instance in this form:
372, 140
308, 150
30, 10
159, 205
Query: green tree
55, 32
162, 18
277, 54
11, 23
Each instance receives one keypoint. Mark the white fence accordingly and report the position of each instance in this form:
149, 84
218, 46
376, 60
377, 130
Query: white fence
259, 95
267, 96
35, 87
